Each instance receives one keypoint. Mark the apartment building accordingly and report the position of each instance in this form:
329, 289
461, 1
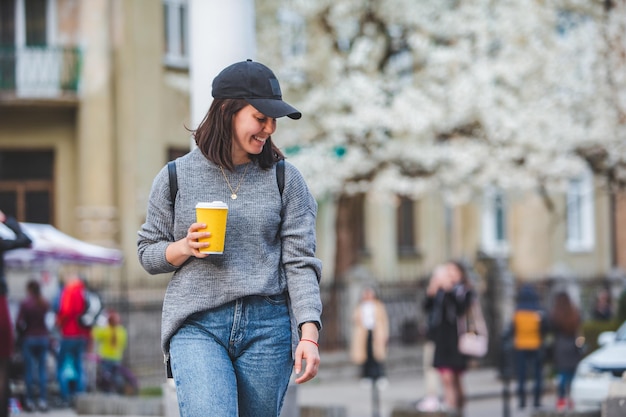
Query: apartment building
94, 100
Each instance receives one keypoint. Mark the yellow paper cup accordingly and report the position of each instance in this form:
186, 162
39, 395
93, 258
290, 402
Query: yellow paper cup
214, 215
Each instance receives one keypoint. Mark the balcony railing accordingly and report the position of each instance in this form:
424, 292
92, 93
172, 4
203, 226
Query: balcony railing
39, 71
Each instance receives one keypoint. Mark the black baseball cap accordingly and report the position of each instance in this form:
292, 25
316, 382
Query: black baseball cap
255, 83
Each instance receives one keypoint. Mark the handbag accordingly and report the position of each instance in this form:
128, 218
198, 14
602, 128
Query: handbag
473, 335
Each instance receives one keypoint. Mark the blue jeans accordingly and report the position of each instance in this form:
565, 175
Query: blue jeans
533, 360
109, 376
565, 383
35, 351
71, 381
234, 360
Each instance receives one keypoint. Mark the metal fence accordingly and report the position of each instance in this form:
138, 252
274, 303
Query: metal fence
141, 313
403, 300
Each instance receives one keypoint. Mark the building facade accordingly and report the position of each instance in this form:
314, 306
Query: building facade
95, 97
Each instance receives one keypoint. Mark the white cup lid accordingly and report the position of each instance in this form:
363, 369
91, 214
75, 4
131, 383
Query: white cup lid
213, 204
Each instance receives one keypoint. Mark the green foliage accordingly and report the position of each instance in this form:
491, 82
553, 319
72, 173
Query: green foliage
153, 391
593, 328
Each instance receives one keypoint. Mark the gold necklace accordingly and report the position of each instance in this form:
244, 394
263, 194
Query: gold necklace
233, 196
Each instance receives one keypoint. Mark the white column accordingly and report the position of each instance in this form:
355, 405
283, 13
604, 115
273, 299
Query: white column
96, 211
220, 33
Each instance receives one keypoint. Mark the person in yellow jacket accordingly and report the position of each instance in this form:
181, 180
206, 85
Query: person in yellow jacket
370, 336
110, 342
528, 331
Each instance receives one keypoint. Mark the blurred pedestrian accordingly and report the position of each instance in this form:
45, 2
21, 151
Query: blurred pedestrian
449, 296
602, 306
74, 339
236, 324
431, 401
528, 331
370, 335
6, 325
565, 323
110, 342
35, 343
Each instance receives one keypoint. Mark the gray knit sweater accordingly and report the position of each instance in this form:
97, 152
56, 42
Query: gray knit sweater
261, 255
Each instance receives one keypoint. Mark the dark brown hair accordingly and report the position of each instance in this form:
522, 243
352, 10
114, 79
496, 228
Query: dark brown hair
465, 279
34, 289
114, 321
565, 316
214, 136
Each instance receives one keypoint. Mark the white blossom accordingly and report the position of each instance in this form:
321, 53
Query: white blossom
453, 96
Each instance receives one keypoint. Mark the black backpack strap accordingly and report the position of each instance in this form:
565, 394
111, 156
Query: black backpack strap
171, 169
280, 175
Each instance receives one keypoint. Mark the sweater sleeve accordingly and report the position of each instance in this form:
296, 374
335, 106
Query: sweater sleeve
157, 231
301, 267
21, 239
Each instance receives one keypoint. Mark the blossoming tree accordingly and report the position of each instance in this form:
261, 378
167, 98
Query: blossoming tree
413, 97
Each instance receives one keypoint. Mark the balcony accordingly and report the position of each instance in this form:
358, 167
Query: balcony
45, 74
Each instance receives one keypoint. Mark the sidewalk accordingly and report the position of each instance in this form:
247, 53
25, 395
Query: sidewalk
337, 384
357, 399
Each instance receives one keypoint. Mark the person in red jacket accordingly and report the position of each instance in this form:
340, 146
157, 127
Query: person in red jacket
6, 326
74, 339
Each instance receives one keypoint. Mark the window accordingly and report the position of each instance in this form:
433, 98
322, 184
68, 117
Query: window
26, 185
580, 214
176, 42
406, 227
29, 62
494, 223
36, 19
7, 40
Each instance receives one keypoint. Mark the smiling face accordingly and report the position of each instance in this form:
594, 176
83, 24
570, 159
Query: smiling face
251, 129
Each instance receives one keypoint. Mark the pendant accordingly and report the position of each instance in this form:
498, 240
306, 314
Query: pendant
233, 196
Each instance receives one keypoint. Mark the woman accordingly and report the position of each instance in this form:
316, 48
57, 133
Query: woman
234, 325
565, 323
448, 297
110, 342
6, 327
35, 339
603, 306
370, 336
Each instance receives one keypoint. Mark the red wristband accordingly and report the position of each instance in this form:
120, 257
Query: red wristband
312, 341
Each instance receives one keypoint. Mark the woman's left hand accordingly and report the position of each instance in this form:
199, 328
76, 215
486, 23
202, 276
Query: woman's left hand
308, 350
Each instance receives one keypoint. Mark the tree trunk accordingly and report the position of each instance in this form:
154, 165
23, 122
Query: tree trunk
346, 256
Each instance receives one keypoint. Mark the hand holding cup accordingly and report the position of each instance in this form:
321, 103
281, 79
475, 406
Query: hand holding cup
213, 215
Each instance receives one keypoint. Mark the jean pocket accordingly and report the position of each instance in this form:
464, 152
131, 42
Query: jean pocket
277, 299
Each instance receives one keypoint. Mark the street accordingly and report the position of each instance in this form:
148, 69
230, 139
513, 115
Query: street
484, 393
483, 389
